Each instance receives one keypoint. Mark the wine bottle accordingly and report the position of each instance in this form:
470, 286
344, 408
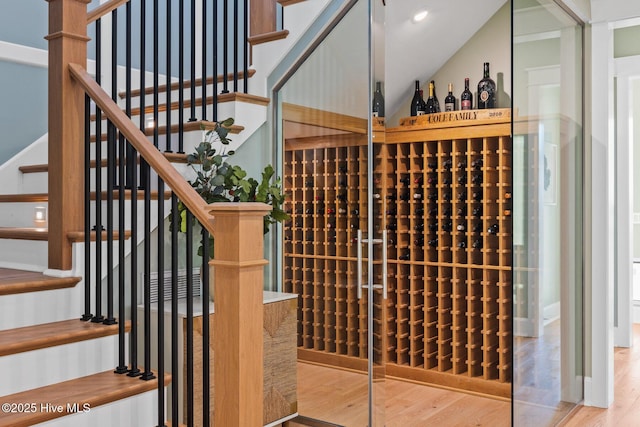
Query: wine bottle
460, 227
433, 242
308, 183
462, 179
418, 180
331, 211
447, 226
462, 210
477, 227
392, 226
446, 181
330, 225
404, 180
493, 229
406, 255
299, 223
432, 164
477, 211
417, 196
342, 183
378, 101
436, 103
431, 106
355, 212
419, 241
376, 195
308, 211
477, 244
462, 196
342, 168
462, 164
477, 195
404, 196
419, 211
419, 227
433, 226
446, 213
433, 212
342, 211
486, 90
450, 100
299, 210
476, 179
447, 164
477, 163
417, 103
391, 212
432, 196
341, 197
462, 244
391, 196
466, 98
446, 196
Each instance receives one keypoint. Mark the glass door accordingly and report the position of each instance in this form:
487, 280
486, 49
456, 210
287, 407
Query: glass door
547, 212
333, 245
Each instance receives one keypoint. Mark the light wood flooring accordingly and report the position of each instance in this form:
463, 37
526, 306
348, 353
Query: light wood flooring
625, 411
340, 397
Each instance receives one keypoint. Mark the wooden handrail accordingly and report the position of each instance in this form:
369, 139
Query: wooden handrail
103, 9
151, 154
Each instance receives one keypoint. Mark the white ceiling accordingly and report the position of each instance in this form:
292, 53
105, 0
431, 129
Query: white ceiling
415, 51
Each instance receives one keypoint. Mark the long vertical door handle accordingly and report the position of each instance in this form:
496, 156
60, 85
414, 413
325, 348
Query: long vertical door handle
384, 264
359, 264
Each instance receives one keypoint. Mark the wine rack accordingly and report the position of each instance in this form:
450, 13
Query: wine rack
442, 188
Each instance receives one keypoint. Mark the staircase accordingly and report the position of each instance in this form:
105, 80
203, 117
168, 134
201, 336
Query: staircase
57, 368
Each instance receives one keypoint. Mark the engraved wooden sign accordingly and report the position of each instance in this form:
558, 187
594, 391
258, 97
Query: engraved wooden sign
459, 118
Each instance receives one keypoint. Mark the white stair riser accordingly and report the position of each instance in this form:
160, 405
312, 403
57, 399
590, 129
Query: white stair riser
17, 253
34, 308
38, 368
136, 411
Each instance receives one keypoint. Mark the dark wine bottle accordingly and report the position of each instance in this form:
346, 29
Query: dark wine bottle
404, 196
417, 103
433, 242
392, 226
355, 212
419, 227
447, 226
419, 241
477, 195
462, 196
477, 211
391, 196
406, 255
436, 103
447, 164
433, 226
432, 196
405, 180
477, 227
462, 179
378, 101
376, 195
466, 98
431, 102
419, 211
446, 196
462, 244
342, 183
477, 244
342, 211
342, 168
462, 163
341, 197
299, 210
477, 163
462, 210
433, 212
450, 100
486, 90
418, 180
331, 225
391, 212
461, 227
476, 179
331, 211
493, 229
432, 164
417, 196
447, 213
308, 183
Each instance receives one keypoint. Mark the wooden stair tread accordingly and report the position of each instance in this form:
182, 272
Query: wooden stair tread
19, 281
25, 233
186, 84
44, 197
44, 167
268, 37
94, 390
176, 105
36, 337
186, 127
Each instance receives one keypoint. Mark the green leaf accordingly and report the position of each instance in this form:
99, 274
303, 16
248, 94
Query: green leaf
227, 122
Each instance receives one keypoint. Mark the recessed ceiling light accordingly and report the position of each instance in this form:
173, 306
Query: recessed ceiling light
420, 16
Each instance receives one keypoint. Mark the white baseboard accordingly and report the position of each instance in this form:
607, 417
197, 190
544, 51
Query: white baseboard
551, 313
636, 311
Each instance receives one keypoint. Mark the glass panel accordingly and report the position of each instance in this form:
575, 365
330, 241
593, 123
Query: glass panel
547, 244
325, 122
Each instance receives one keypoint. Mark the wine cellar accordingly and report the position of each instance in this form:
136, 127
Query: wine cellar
442, 190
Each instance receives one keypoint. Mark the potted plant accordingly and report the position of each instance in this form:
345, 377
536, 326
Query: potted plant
217, 180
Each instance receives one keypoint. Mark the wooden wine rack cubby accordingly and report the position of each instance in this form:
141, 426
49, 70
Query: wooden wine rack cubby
443, 192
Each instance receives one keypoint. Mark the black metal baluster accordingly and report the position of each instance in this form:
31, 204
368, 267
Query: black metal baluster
156, 83
235, 45
143, 68
225, 47
122, 365
181, 78
206, 376
190, 415
87, 209
131, 162
245, 49
133, 342
204, 60
193, 62
148, 374
161, 391
168, 143
214, 30
111, 168
98, 180
175, 368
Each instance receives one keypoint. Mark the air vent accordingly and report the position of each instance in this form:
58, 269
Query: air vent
182, 284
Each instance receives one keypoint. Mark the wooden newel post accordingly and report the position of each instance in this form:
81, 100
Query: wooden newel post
238, 344
67, 44
262, 17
